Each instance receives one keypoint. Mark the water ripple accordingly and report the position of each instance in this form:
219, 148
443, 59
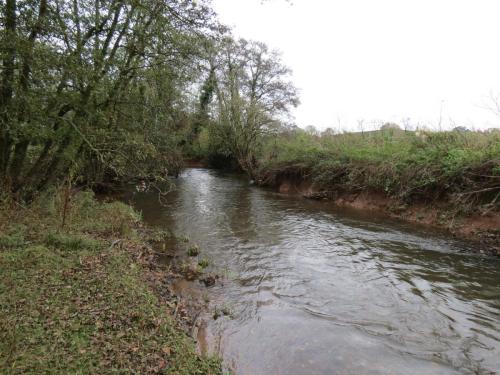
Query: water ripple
322, 291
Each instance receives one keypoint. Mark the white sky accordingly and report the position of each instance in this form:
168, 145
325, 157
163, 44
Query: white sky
381, 60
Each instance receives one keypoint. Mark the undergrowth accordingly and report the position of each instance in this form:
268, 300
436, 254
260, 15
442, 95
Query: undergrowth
72, 296
463, 168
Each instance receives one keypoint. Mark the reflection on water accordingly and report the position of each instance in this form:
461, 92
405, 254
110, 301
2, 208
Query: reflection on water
316, 291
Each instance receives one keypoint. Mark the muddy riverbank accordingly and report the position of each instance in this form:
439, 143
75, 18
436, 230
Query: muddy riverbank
481, 227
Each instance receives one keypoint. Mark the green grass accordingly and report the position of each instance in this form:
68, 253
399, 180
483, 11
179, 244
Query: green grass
204, 263
193, 251
407, 165
71, 303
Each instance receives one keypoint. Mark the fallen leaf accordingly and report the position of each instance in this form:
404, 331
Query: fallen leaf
166, 350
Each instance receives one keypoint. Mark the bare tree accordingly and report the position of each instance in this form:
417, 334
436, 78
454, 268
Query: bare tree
361, 126
311, 130
493, 104
406, 124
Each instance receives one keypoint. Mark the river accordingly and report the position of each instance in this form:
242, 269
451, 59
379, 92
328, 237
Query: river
312, 289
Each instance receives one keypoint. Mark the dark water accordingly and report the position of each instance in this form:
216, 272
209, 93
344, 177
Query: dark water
312, 290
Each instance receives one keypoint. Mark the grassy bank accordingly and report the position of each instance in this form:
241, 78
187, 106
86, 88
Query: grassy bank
73, 295
462, 168
449, 180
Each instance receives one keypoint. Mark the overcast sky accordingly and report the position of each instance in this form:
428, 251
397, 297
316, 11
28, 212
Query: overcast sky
381, 60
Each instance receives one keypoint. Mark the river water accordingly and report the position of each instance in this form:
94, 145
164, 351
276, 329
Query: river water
314, 290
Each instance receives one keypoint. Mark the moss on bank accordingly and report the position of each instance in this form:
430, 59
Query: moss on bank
73, 296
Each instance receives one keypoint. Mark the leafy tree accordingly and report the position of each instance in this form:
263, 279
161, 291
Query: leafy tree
253, 93
93, 86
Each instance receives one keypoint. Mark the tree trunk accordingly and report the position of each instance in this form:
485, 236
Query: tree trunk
7, 85
17, 163
55, 163
21, 148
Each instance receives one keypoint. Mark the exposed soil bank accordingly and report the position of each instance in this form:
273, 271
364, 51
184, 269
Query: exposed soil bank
194, 163
483, 228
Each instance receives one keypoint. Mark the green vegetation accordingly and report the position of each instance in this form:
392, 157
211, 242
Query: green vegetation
74, 298
193, 251
463, 167
204, 263
96, 92
92, 94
